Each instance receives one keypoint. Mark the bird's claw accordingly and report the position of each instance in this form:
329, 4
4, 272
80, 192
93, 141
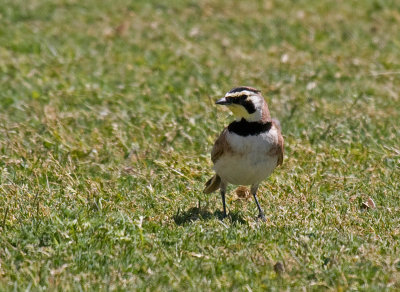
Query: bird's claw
262, 217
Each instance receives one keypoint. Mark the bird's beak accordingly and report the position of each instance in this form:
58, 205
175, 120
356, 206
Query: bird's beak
223, 101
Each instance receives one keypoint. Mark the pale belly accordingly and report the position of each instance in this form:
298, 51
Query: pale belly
245, 170
249, 162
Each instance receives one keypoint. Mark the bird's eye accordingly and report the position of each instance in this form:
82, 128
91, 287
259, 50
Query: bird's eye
243, 97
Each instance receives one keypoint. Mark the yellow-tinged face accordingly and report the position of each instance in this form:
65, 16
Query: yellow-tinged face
239, 111
244, 102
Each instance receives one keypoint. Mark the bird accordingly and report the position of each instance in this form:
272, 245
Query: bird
249, 149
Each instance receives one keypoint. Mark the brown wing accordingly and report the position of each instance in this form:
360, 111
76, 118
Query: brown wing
220, 147
278, 149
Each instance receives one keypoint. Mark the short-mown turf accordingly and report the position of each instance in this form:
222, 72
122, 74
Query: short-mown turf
107, 119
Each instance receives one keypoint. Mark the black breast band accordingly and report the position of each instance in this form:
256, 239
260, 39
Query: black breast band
245, 128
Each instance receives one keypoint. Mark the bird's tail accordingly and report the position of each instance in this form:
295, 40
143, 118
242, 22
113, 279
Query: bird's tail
212, 184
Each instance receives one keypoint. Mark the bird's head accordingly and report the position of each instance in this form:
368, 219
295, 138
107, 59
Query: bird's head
245, 102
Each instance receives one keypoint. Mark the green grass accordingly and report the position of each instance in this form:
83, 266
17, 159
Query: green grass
107, 121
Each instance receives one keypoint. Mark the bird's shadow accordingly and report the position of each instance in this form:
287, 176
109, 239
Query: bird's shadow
195, 213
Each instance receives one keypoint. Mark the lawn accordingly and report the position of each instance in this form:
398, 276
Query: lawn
107, 120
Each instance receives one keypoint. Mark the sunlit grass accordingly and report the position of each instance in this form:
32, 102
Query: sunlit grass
107, 121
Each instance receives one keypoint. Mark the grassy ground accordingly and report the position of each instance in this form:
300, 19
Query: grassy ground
107, 121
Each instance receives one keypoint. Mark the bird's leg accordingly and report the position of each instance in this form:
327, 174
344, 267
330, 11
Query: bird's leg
261, 215
223, 191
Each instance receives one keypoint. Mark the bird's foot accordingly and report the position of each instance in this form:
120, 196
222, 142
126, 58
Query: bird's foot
261, 216
220, 215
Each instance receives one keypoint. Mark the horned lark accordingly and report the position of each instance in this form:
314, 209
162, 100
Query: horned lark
250, 148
